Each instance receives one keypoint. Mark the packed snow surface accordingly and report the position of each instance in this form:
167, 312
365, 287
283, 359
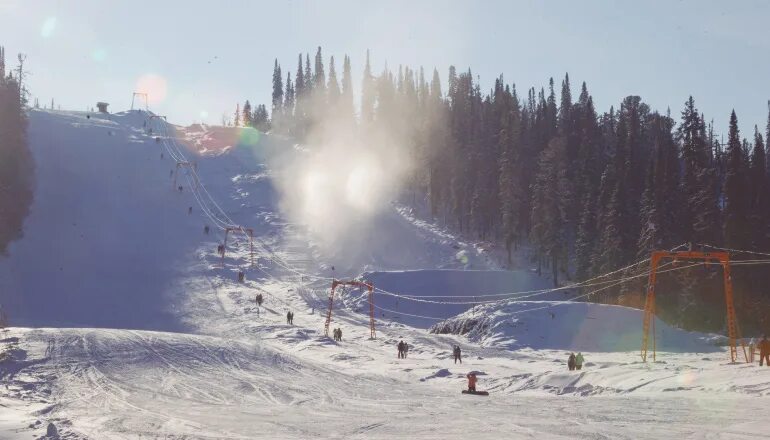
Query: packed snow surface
129, 325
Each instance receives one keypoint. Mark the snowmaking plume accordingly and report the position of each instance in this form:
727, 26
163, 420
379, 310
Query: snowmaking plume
344, 177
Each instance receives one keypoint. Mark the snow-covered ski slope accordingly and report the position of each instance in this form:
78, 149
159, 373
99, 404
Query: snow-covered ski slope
127, 326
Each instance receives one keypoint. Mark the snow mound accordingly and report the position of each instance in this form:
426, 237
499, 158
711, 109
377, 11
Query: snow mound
578, 326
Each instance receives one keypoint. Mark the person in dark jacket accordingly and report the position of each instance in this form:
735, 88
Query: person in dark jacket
457, 353
571, 361
401, 349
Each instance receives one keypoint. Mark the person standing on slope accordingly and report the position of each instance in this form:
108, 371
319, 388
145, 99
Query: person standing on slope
457, 354
288, 317
406, 349
579, 361
764, 351
401, 349
471, 382
571, 361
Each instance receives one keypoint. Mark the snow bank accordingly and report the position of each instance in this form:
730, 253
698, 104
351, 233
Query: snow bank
578, 326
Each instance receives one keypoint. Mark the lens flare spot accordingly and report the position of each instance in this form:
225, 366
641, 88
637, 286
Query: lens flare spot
249, 137
49, 26
686, 378
99, 55
204, 114
154, 85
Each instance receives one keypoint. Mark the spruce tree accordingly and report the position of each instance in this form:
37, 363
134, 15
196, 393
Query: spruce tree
367, 93
246, 114
346, 100
735, 191
277, 90
333, 86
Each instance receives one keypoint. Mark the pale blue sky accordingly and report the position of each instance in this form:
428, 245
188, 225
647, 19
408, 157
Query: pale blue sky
88, 50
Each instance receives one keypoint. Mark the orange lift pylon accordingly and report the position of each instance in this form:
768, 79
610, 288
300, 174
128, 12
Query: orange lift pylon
361, 284
721, 258
249, 231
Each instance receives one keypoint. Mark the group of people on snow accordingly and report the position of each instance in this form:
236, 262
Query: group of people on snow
403, 349
290, 318
575, 362
337, 333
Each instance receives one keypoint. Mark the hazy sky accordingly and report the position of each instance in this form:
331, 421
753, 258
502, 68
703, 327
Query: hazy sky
199, 58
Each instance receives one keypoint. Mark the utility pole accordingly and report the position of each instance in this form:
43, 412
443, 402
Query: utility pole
22, 93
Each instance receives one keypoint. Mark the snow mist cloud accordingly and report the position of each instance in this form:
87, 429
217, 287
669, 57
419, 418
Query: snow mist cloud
345, 175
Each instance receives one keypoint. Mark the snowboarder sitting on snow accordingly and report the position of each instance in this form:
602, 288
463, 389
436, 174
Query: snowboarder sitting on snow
458, 354
579, 361
401, 349
471, 382
571, 361
764, 351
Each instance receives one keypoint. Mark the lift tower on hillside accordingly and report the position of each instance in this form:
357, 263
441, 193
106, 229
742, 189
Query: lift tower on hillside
719, 258
362, 284
248, 231
140, 95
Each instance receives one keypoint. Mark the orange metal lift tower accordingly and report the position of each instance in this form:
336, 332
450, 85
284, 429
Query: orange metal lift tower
721, 258
362, 284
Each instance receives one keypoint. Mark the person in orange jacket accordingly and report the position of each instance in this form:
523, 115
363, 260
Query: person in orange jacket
471, 382
764, 351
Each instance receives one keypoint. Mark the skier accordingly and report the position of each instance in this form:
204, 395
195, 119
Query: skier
458, 354
206, 229
571, 361
288, 317
180, 188
161, 155
401, 349
471, 382
259, 299
189, 210
241, 276
764, 351
406, 349
579, 361
339, 334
